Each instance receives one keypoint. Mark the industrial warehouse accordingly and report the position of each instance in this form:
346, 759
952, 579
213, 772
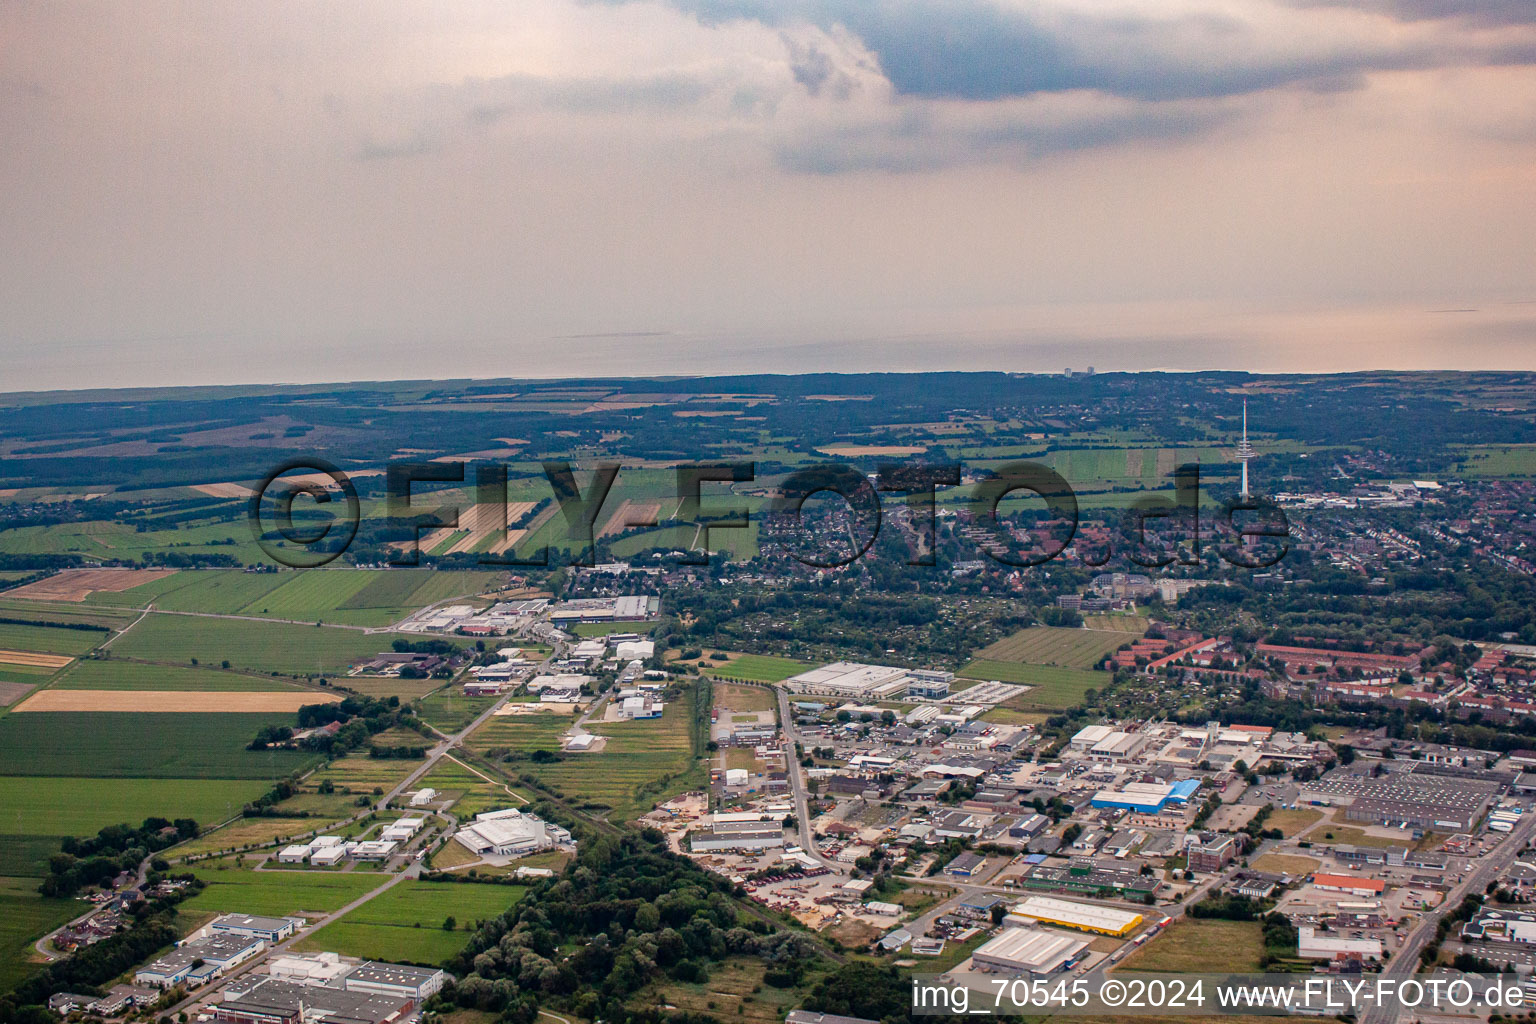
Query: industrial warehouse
1421, 798
1082, 916
1032, 951
1147, 797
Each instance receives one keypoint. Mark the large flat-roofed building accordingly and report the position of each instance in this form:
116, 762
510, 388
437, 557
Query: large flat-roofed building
850, 679
509, 833
604, 609
198, 961
270, 1001
415, 983
1141, 797
1087, 917
738, 832
1352, 884
1032, 951
1422, 799
1314, 945
272, 929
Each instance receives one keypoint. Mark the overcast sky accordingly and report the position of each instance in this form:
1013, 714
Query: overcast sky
222, 192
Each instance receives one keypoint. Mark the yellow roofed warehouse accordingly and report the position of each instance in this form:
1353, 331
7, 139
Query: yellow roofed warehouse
1085, 917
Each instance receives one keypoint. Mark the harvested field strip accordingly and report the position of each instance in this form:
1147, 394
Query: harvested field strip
174, 701
33, 660
516, 536
630, 514
78, 584
122, 674
11, 692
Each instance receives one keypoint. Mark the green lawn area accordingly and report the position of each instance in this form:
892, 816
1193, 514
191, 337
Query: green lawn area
754, 668
277, 893
405, 923
24, 917
1191, 945
258, 646
1292, 822
142, 745
1053, 686
122, 674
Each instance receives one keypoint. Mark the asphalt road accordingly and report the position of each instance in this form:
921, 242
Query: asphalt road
1406, 961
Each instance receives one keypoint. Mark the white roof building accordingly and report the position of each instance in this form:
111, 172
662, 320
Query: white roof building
1028, 951
509, 833
1312, 946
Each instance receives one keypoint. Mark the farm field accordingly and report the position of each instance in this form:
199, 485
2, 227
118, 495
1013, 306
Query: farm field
1053, 645
248, 832
405, 923
25, 660
523, 734
754, 668
1053, 686
67, 806
37, 611
1118, 623
257, 646
24, 915
217, 591
359, 773
77, 584
278, 893
158, 746
49, 640
122, 674
173, 701
1192, 945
